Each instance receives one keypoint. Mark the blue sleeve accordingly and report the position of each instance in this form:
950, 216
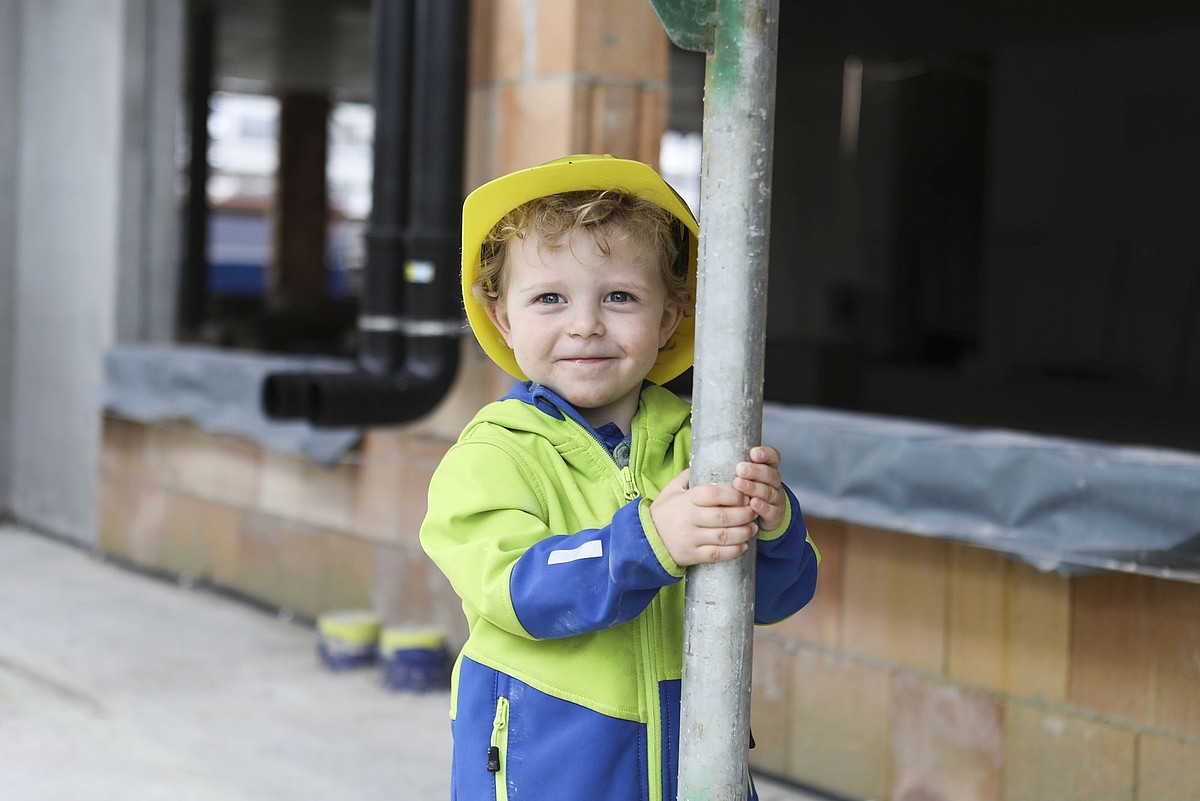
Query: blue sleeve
785, 570
594, 579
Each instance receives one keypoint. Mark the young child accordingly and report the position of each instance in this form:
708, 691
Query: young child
563, 515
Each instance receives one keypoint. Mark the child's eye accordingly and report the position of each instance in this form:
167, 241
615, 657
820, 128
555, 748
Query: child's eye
619, 297
549, 297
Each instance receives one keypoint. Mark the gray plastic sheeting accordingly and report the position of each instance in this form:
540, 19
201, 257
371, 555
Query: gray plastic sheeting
1061, 505
217, 390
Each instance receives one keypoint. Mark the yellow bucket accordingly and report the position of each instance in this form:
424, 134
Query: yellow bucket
414, 659
348, 638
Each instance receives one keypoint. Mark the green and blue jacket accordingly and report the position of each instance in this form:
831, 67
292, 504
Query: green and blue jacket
568, 684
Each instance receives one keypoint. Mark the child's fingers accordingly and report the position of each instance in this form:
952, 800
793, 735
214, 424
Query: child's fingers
762, 487
725, 518
771, 492
763, 473
765, 454
720, 553
769, 516
710, 495
728, 542
708, 523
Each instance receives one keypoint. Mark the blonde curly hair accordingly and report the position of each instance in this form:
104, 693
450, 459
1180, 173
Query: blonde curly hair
602, 213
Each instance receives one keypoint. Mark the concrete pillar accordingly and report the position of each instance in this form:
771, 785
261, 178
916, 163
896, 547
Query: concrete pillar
82, 272
10, 99
67, 205
148, 269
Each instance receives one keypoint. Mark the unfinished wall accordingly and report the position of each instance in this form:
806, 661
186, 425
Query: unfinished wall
554, 77
922, 671
930, 671
276, 528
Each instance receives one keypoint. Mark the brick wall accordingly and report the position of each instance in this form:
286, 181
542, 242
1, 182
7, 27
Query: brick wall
553, 77
923, 670
926, 670
276, 528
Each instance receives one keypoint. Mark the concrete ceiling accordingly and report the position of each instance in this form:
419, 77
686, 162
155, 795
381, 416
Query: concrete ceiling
294, 45
271, 46
911, 28
324, 45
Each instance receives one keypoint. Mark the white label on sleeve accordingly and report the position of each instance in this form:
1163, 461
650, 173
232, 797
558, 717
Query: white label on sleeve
592, 549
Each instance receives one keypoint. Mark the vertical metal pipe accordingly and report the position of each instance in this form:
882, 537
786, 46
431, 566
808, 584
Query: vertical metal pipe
193, 283
433, 236
739, 111
381, 352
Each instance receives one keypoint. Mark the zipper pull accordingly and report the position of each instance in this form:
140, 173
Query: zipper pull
631, 490
499, 724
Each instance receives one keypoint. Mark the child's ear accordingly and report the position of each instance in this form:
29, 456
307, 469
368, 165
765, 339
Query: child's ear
672, 314
499, 318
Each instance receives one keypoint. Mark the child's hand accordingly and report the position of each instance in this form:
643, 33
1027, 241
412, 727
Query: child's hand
708, 523
760, 482
713, 523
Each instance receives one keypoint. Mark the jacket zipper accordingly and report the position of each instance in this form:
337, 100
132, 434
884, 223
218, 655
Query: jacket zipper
498, 750
649, 647
624, 474
656, 762
649, 629
628, 484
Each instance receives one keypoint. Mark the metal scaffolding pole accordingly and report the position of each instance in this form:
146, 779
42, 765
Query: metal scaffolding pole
740, 38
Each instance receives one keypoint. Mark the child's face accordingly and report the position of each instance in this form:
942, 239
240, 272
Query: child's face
586, 325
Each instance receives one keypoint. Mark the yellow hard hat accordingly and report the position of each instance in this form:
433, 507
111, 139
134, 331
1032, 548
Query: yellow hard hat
489, 203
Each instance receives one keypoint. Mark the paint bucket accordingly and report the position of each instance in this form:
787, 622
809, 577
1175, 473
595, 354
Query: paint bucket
414, 659
348, 639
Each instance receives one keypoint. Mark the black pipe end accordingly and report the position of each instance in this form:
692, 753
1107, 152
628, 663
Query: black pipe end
286, 396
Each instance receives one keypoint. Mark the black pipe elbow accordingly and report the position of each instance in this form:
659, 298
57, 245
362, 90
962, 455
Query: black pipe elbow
364, 399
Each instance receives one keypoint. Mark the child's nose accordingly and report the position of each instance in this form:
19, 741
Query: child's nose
586, 322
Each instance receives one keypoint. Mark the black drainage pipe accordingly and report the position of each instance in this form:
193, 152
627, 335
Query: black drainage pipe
410, 323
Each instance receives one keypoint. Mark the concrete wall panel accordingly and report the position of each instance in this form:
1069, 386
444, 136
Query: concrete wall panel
10, 99
93, 167
66, 255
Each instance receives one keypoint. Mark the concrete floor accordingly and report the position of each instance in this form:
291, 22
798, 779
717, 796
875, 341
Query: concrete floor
115, 686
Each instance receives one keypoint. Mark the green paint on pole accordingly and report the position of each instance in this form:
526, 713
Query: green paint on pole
689, 23
726, 67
